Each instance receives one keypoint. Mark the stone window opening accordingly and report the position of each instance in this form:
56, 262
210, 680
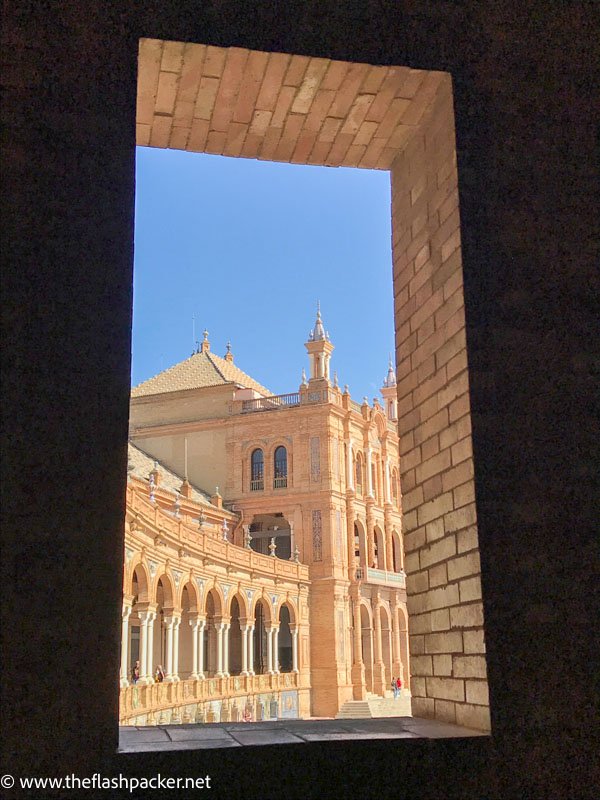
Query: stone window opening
257, 470
280, 464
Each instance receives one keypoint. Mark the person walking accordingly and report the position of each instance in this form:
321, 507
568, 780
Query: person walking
159, 675
394, 688
398, 687
135, 672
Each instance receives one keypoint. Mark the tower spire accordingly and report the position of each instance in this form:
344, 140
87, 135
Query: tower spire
319, 350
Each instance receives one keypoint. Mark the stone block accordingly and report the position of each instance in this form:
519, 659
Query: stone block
435, 530
461, 518
417, 582
442, 665
438, 575
420, 623
450, 642
445, 688
477, 692
470, 616
457, 475
469, 667
416, 645
414, 540
472, 716
441, 597
474, 641
411, 563
417, 687
421, 665
462, 450
439, 551
445, 711
440, 620
422, 706
467, 539
464, 494
470, 590
463, 566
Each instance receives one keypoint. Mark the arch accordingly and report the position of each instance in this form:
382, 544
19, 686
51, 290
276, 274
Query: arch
139, 574
293, 611
284, 639
366, 643
360, 552
164, 579
244, 611
386, 642
280, 467
404, 649
379, 548
188, 613
215, 593
257, 470
212, 611
396, 551
395, 487
267, 610
381, 424
194, 595
358, 473
262, 623
235, 637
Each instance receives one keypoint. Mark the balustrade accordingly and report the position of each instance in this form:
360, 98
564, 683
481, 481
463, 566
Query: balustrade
139, 699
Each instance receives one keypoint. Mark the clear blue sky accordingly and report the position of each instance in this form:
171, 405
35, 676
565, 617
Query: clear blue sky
248, 247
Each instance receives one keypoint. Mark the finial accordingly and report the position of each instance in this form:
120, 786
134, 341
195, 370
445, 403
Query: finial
318, 309
205, 334
228, 345
346, 389
335, 380
304, 383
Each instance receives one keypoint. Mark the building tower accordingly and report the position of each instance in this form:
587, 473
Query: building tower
319, 351
389, 393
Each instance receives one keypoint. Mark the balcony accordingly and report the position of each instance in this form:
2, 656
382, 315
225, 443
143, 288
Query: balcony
268, 403
382, 576
280, 483
257, 485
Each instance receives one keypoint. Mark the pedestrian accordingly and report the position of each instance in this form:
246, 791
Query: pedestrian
398, 686
135, 672
394, 687
159, 675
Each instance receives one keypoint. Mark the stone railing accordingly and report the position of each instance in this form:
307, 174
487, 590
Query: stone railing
156, 698
397, 579
207, 544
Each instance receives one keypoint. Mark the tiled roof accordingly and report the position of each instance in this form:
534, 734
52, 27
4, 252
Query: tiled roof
140, 465
196, 372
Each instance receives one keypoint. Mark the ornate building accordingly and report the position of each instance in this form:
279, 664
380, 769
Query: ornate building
283, 592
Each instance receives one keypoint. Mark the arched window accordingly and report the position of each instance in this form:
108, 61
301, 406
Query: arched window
257, 470
280, 462
359, 481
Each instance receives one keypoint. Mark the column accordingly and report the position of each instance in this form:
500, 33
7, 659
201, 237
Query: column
349, 470
201, 628
150, 648
269, 651
143, 615
244, 631
396, 656
169, 654
295, 650
194, 625
251, 649
369, 473
275, 632
126, 612
357, 671
378, 669
292, 540
387, 480
219, 628
226, 649
176, 624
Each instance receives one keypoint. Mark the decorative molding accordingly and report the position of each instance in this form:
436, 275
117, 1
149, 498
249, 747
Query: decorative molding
152, 566
317, 534
315, 458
